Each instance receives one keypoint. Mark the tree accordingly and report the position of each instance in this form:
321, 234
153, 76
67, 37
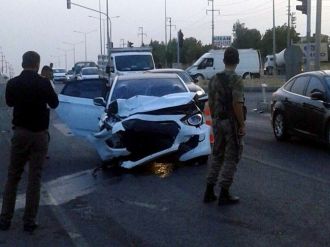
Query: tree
158, 52
266, 46
245, 38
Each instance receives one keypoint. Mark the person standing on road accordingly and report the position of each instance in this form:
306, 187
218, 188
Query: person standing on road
226, 101
29, 94
47, 72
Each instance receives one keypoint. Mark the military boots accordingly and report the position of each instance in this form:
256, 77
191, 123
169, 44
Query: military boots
209, 195
226, 198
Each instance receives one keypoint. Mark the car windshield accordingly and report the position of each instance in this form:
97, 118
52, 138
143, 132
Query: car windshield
91, 71
125, 89
59, 71
134, 62
185, 77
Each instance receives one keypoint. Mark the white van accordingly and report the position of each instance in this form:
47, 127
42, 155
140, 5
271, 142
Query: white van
212, 62
131, 60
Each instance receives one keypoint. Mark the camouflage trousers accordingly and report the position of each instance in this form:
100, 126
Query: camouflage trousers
226, 153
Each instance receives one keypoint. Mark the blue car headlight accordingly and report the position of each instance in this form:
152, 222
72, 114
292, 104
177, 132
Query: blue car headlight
194, 120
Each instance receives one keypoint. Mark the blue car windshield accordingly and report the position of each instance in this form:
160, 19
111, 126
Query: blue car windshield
125, 89
134, 62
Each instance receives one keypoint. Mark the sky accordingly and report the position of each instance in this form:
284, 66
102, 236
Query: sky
44, 25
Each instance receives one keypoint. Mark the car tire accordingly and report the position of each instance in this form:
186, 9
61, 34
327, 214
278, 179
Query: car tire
247, 75
280, 127
202, 160
199, 77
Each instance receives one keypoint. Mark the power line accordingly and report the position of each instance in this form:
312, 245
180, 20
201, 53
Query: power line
212, 11
142, 34
170, 25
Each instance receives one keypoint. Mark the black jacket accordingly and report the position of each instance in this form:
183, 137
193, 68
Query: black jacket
29, 94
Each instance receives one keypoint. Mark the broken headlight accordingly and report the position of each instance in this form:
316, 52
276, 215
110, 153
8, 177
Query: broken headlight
194, 120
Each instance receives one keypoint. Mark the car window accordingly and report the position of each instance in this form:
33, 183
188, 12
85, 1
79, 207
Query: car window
125, 89
207, 62
89, 71
299, 85
314, 85
327, 79
185, 77
59, 71
134, 62
89, 89
288, 85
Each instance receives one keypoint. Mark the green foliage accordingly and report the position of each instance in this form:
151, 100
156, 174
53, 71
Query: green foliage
245, 38
192, 49
266, 46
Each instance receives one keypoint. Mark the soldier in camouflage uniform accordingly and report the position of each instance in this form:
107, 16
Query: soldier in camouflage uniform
226, 101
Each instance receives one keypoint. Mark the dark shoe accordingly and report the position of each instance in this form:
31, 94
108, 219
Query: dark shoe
226, 198
4, 225
30, 227
209, 195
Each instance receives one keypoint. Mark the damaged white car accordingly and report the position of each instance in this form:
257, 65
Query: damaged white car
142, 118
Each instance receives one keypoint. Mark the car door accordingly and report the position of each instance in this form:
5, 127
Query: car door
314, 110
76, 108
293, 102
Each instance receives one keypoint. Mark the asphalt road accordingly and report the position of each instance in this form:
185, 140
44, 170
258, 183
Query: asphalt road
284, 190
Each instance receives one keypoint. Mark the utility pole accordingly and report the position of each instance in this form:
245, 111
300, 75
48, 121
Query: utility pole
122, 41
101, 46
212, 10
165, 26
170, 25
308, 57
274, 41
2, 59
318, 34
142, 34
288, 41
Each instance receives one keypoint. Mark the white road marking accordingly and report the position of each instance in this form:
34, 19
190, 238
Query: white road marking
63, 128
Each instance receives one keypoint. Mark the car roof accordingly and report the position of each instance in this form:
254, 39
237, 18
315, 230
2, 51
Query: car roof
147, 76
317, 73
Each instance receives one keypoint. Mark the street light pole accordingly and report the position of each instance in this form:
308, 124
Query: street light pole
100, 28
65, 56
85, 37
74, 49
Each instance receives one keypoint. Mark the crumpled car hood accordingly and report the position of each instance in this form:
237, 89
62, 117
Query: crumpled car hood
142, 104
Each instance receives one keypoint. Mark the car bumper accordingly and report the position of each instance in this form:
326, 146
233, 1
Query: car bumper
139, 147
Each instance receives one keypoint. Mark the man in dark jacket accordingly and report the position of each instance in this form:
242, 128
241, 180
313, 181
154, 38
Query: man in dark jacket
30, 95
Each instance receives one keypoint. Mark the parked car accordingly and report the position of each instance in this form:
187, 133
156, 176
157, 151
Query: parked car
148, 116
59, 75
69, 75
88, 73
187, 79
302, 107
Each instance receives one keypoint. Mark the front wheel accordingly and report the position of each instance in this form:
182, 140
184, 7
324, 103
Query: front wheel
280, 127
247, 75
199, 77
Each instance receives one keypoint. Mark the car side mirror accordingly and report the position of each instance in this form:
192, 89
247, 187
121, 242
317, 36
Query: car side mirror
317, 96
99, 101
